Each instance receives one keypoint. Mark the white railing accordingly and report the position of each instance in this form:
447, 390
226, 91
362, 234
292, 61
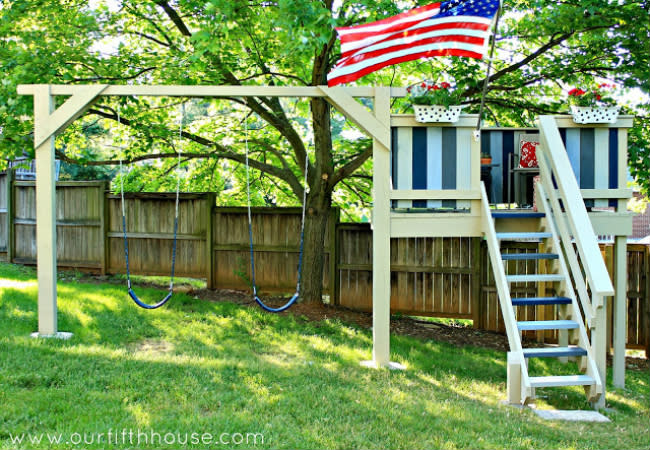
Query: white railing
583, 339
574, 226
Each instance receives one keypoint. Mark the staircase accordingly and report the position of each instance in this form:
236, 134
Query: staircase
503, 226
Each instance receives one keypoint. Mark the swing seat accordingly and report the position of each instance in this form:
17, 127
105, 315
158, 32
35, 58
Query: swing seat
141, 304
281, 308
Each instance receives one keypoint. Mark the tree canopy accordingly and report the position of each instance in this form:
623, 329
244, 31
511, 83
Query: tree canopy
544, 47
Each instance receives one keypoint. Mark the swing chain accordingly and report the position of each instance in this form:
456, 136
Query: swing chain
250, 231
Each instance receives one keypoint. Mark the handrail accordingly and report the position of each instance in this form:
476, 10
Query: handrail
553, 209
583, 339
494, 251
572, 200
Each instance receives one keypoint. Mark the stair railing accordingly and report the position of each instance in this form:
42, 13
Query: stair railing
516, 354
573, 223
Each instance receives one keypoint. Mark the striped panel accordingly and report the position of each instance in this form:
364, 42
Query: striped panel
434, 158
601, 163
496, 150
593, 153
419, 163
572, 144
404, 162
463, 163
449, 162
434, 162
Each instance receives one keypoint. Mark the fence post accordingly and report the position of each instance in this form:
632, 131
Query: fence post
620, 310
11, 213
476, 283
333, 257
102, 188
646, 320
209, 244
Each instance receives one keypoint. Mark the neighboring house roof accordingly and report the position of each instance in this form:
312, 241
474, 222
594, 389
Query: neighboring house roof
641, 222
25, 168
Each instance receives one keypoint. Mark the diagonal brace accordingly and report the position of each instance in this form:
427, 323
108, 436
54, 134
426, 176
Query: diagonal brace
358, 114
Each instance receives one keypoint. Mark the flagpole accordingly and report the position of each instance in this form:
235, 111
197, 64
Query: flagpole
477, 132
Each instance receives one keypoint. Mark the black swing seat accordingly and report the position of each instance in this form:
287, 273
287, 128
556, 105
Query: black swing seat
144, 305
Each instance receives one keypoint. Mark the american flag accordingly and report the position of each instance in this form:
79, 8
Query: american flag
450, 28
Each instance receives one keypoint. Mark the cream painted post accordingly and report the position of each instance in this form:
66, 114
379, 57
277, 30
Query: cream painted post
514, 378
381, 236
620, 274
599, 345
620, 310
45, 215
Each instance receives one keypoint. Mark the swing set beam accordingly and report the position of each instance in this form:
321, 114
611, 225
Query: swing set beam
50, 121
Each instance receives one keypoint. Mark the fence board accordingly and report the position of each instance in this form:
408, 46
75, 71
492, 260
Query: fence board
150, 227
445, 277
276, 239
78, 216
4, 215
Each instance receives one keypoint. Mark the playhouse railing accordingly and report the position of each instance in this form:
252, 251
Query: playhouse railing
578, 239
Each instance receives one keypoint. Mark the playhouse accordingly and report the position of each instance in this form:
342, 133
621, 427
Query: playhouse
428, 181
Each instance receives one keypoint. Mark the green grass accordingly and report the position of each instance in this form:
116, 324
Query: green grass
197, 366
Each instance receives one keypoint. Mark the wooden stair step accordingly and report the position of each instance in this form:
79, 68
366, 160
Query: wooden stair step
533, 325
535, 278
562, 380
532, 301
527, 235
517, 215
554, 352
528, 256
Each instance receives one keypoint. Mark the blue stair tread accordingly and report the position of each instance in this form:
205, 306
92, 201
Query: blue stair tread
554, 352
528, 256
541, 301
517, 215
533, 325
563, 380
523, 235
534, 278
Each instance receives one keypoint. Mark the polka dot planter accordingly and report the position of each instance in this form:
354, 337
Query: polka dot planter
589, 114
436, 113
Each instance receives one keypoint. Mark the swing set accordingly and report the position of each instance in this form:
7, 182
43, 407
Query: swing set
169, 295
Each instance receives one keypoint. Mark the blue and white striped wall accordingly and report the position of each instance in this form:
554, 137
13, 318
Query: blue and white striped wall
439, 158
432, 158
593, 153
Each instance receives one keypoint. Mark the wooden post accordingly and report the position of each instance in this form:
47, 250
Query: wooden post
620, 310
646, 320
381, 237
514, 378
103, 232
45, 216
333, 257
209, 244
540, 310
477, 315
11, 213
599, 346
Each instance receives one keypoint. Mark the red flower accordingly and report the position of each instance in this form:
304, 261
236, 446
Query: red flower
604, 86
575, 92
445, 85
423, 85
597, 96
435, 87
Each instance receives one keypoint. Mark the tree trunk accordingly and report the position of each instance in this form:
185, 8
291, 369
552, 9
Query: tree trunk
319, 204
311, 289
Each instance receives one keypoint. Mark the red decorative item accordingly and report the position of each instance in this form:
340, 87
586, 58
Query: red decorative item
528, 156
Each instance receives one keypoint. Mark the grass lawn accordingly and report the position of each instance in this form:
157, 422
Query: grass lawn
202, 367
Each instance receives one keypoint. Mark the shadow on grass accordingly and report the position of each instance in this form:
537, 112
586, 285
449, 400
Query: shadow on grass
221, 367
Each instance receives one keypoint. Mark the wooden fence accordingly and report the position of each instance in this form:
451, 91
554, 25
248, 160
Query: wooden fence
443, 277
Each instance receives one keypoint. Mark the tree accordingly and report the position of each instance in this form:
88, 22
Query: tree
543, 46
